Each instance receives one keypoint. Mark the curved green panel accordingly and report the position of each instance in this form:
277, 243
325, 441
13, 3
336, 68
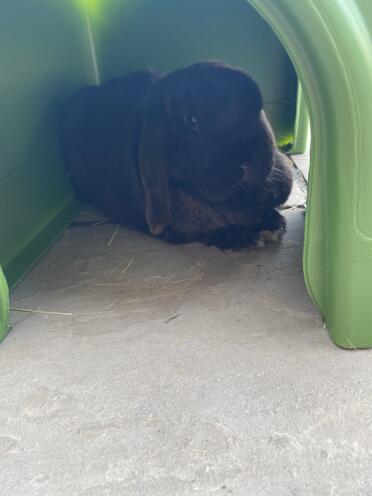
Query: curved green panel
4, 305
330, 43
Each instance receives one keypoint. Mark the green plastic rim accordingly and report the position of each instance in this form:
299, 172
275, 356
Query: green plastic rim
4, 306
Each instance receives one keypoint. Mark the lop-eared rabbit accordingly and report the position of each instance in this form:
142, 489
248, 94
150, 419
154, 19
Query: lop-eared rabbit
186, 156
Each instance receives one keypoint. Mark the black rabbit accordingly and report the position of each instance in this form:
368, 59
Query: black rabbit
188, 156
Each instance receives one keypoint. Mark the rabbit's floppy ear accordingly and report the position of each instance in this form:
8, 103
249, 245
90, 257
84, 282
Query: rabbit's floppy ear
154, 166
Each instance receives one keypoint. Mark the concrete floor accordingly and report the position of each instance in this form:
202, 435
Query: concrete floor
190, 372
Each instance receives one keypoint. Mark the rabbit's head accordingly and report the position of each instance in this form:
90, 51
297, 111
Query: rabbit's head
203, 128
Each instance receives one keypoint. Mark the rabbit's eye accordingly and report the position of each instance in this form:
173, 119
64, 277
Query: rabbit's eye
191, 123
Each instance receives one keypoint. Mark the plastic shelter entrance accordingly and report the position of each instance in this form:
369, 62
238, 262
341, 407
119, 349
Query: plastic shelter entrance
328, 41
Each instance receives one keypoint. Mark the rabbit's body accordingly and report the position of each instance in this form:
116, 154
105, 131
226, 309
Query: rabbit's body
99, 134
189, 156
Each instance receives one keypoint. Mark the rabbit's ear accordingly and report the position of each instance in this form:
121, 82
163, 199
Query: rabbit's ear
154, 168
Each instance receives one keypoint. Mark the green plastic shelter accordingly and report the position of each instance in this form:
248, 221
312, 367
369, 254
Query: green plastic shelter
49, 48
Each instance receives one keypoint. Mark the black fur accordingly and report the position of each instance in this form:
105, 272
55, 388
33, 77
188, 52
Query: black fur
188, 156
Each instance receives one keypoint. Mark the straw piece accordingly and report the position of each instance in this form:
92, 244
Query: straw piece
351, 344
113, 235
127, 267
171, 318
177, 344
42, 312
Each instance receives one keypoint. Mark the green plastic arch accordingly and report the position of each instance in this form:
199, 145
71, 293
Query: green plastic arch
330, 43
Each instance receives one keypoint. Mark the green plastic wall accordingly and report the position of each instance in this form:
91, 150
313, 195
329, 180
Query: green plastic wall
42, 59
166, 34
48, 48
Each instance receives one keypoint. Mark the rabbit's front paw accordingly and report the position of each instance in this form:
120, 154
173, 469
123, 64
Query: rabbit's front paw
272, 229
